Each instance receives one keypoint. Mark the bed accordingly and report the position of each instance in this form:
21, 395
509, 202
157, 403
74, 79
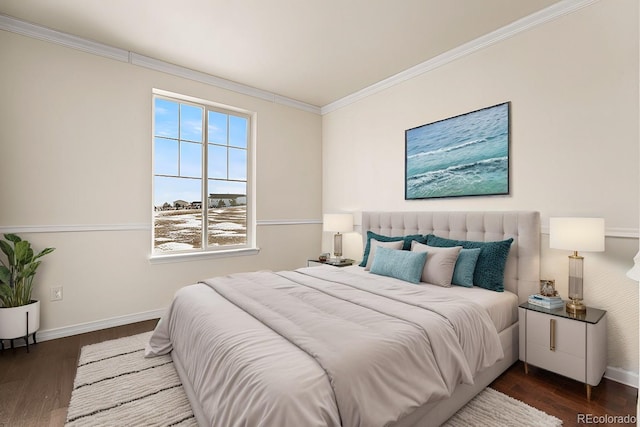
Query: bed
327, 346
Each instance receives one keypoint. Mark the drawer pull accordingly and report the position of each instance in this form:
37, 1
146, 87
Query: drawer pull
552, 334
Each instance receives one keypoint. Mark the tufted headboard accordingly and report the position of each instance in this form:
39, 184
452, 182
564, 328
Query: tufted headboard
522, 272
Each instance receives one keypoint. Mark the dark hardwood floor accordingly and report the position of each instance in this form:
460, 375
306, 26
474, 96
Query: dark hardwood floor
565, 398
35, 387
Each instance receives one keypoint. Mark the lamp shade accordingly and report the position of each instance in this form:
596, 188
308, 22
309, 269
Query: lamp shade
577, 234
338, 223
634, 273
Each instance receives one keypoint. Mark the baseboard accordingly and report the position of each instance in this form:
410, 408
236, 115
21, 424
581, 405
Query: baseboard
621, 376
67, 331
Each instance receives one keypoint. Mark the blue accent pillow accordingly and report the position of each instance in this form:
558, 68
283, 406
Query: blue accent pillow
489, 271
465, 266
380, 238
403, 265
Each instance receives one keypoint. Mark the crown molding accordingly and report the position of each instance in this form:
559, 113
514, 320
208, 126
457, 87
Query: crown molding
179, 71
557, 10
17, 26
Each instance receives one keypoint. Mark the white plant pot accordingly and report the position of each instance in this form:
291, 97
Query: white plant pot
13, 320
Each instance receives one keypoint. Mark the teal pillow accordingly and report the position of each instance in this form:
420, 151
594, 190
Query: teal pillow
380, 238
403, 265
465, 266
489, 271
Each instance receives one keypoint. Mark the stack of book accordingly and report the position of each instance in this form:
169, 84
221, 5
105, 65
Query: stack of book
546, 302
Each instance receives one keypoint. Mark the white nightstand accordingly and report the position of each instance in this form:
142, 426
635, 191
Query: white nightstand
568, 344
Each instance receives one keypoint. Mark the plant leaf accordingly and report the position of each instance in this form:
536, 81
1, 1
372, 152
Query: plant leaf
24, 253
30, 269
12, 238
44, 252
8, 251
7, 296
5, 275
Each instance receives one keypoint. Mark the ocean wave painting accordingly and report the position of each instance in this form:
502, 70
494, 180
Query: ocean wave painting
466, 155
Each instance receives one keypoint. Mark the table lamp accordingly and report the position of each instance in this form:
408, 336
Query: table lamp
576, 234
338, 223
634, 273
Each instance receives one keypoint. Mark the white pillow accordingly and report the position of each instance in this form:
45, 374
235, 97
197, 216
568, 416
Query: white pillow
438, 270
375, 243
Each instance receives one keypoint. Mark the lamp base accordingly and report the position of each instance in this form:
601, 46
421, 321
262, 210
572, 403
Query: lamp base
575, 307
337, 245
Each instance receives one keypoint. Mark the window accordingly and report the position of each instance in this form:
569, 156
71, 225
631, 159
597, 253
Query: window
201, 160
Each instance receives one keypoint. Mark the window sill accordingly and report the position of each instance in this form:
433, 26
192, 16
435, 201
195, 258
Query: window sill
195, 256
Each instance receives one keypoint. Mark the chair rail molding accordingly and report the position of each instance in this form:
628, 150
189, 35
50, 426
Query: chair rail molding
76, 228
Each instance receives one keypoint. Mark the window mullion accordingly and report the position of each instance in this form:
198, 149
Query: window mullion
179, 139
228, 140
205, 181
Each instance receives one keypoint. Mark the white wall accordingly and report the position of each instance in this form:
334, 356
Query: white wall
75, 150
573, 87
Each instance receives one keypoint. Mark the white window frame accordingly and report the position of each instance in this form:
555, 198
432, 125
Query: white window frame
249, 248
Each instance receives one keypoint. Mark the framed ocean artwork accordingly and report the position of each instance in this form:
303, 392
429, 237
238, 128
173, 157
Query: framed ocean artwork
465, 155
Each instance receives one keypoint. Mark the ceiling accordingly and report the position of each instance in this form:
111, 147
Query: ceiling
313, 51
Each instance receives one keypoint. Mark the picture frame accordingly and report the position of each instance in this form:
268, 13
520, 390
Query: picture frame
548, 288
464, 155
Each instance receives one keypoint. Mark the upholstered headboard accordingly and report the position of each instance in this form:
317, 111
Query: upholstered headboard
522, 272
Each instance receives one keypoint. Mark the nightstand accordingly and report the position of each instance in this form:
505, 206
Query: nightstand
573, 345
342, 263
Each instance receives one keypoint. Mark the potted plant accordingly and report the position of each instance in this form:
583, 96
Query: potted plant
19, 314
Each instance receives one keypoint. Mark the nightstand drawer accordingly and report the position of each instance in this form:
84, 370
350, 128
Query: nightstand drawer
556, 343
569, 335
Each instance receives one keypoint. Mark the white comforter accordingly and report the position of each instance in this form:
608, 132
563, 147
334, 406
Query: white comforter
321, 347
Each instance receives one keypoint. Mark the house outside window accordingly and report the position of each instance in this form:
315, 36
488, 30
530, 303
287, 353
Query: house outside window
201, 177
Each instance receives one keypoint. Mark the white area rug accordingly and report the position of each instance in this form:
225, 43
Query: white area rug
492, 408
116, 386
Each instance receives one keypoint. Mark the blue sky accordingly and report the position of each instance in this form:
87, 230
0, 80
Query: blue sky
178, 151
